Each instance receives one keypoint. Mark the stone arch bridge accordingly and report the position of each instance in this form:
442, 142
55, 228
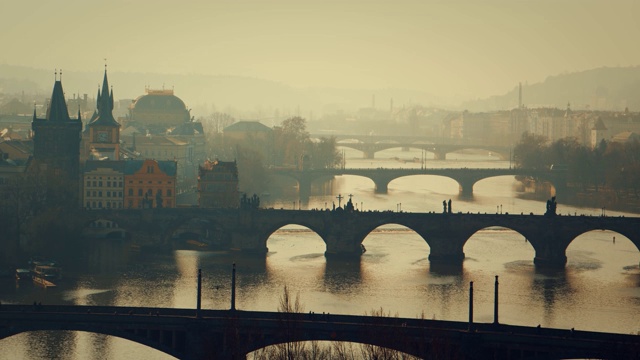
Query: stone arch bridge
465, 177
440, 151
344, 232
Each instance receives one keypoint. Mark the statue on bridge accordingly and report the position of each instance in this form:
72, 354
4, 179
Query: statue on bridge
551, 207
249, 202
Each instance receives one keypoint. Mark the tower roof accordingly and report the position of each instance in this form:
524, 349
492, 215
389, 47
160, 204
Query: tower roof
57, 110
599, 125
105, 106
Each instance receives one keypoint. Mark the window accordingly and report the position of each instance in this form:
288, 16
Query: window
88, 204
100, 193
88, 183
94, 193
120, 184
159, 192
99, 183
94, 183
108, 207
168, 192
88, 193
120, 193
108, 183
108, 193
130, 192
99, 204
139, 192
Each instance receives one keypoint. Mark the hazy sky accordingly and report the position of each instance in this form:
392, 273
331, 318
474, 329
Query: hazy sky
456, 47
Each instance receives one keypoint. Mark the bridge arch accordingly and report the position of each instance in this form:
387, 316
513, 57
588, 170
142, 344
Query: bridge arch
172, 343
438, 183
348, 350
269, 231
614, 246
382, 239
504, 240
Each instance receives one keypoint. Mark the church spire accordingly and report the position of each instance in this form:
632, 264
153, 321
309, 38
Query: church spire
105, 104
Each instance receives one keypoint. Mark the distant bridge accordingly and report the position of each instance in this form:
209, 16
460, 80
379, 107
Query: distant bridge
440, 151
232, 334
465, 177
440, 146
344, 232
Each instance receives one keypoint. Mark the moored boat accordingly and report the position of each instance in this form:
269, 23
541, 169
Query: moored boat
44, 275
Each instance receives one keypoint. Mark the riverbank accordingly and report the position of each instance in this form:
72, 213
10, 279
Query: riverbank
604, 198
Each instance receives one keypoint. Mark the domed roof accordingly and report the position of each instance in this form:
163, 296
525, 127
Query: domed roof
158, 101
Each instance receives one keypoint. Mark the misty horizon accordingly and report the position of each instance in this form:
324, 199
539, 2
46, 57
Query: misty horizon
438, 53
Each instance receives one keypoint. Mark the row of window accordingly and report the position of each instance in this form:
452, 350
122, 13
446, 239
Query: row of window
98, 193
149, 192
100, 177
166, 204
150, 182
109, 183
107, 205
118, 194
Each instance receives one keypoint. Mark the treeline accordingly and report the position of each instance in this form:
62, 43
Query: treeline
611, 166
288, 145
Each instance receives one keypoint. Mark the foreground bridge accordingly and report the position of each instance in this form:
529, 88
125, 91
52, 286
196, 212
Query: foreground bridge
232, 334
344, 232
465, 177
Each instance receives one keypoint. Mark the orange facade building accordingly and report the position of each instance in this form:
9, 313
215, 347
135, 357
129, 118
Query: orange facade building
150, 184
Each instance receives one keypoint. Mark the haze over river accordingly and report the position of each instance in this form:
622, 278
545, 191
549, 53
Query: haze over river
598, 290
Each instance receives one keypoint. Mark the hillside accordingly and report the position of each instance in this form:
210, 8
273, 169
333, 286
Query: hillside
604, 88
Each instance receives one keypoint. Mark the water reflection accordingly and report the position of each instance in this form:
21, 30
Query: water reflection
51, 344
343, 276
552, 286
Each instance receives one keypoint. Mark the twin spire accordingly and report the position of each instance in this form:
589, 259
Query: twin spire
104, 104
58, 111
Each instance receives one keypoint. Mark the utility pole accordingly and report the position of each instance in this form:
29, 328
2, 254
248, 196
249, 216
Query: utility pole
233, 288
199, 296
495, 303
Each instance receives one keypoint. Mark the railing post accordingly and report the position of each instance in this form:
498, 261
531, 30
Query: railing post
471, 306
199, 296
233, 287
495, 303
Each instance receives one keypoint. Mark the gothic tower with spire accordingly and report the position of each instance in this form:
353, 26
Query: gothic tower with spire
56, 142
104, 130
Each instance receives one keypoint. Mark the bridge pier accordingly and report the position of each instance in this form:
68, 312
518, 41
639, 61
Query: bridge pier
382, 186
465, 187
550, 260
446, 258
440, 155
368, 154
446, 246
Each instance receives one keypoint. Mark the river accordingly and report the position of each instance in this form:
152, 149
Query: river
599, 289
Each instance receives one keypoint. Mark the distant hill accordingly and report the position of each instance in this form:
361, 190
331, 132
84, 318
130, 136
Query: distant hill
242, 96
604, 88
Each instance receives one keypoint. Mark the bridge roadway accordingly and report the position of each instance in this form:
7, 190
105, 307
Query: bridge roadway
343, 232
465, 177
232, 334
